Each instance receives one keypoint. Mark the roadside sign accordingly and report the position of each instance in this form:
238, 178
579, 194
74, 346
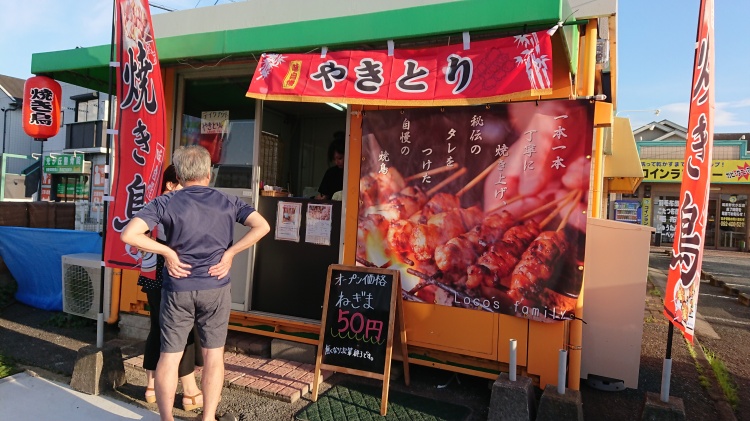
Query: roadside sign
63, 164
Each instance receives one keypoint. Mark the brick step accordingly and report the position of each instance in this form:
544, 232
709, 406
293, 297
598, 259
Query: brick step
275, 378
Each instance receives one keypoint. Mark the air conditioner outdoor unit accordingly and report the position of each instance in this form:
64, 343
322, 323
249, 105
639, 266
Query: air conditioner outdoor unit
81, 278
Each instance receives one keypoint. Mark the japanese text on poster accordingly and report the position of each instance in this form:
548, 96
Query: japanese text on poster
665, 218
318, 224
683, 281
479, 207
288, 216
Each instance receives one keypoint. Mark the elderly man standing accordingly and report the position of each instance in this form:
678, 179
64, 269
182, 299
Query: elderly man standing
198, 223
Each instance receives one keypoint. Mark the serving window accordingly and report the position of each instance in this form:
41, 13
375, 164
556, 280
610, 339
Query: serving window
217, 115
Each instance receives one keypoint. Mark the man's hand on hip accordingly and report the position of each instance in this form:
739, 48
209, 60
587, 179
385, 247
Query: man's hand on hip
175, 267
221, 269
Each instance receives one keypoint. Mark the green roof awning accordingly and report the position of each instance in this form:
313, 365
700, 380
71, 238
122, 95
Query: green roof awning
88, 67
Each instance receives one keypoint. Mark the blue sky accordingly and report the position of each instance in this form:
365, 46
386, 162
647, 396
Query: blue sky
655, 50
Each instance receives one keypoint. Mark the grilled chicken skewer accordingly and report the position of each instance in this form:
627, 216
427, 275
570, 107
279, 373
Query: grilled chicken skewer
412, 220
408, 202
541, 262
500, 254
458, 295
459, 252
376, 188
499, 259
466, 247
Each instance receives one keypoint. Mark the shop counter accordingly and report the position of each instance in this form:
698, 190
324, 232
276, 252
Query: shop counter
289, 277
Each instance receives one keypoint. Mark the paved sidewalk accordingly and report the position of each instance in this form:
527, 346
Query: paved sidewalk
24, 396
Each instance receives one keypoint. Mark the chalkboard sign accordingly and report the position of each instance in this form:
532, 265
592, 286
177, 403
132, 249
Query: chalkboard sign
359, 321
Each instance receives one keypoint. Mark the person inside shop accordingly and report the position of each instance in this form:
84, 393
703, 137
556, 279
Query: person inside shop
150, 281
333, 179
198, 224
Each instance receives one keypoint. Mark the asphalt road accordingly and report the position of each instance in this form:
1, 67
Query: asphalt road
729, 264
723, 326
713, 304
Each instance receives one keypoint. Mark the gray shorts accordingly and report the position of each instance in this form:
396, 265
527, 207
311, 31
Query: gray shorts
208, 310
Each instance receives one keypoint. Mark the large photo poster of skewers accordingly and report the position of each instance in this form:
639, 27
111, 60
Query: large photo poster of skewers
479, 207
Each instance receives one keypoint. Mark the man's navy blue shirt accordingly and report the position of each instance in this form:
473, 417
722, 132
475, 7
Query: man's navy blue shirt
198, 225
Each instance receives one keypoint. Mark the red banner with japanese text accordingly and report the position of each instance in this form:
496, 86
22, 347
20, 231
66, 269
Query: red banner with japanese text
479, 207
489, 71
141, 127
681, 298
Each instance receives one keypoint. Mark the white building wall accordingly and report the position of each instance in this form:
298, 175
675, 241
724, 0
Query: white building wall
16, 140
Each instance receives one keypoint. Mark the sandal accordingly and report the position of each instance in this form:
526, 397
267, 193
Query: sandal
150, 398
193, 402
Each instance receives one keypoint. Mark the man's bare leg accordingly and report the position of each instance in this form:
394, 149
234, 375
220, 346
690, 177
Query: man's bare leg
212, 380
165, 381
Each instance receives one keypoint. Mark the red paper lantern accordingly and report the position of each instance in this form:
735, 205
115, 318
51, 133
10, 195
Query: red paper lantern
41, 107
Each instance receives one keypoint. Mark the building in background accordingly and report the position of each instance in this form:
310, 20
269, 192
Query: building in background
16, 146
661, 146
82, 132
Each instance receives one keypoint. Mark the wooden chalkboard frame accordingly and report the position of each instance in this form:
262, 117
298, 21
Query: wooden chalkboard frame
395, 319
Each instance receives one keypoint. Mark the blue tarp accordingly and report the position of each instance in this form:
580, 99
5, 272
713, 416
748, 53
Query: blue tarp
34, 257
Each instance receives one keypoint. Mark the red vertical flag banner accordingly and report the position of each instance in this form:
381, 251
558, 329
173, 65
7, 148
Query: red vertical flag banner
681, 298
141, 126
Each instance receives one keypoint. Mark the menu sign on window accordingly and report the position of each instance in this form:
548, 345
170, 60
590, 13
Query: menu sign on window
214, 121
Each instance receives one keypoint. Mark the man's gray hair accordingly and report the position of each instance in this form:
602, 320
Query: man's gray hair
192, 163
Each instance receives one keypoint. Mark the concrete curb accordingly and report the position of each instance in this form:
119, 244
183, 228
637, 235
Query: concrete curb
713, 281
742, 297
731, 291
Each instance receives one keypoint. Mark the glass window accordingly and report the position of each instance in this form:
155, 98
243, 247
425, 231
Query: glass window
270, 159
217, 115
87, 110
